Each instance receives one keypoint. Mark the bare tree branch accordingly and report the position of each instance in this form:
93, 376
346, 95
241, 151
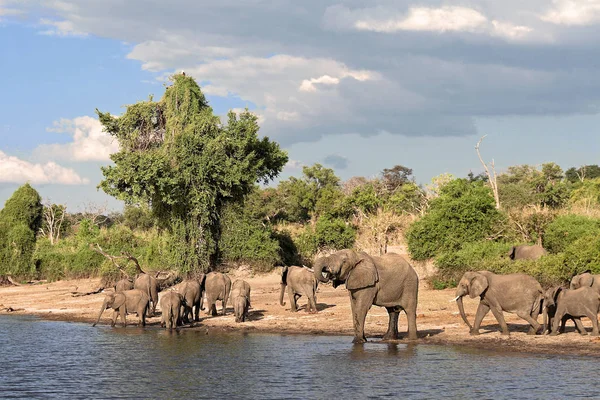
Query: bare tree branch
491, 177
132, 258
113, 259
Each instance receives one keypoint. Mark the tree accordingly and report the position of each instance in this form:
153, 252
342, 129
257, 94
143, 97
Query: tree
464, 212
178, 158
395, 177
20, 220
582, 173
491, 176
53, 224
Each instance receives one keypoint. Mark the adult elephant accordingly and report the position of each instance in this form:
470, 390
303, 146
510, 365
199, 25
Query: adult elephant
300, 281
217, 286
519, 294
148, 284
171, 303
123, 303
191, 290
388, 281
526, 252
586, 279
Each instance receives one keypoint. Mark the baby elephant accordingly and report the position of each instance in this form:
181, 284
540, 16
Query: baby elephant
240, 297
123, 303
549, 312
582, 302
170, 305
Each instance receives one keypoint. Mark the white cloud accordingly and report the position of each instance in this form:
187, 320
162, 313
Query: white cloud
60, 28
288, 116
421, 19
89, 143
427, 19
15, 170
573, 12
308, 85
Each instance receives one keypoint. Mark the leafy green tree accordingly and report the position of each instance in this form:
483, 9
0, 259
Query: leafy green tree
464, 212
575, 175
178, 158
138, 217
20, 220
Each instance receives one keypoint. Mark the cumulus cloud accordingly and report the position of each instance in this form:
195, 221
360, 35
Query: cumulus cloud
89, 142
426, 19
573, 12
15, 170
60, 28
328, 67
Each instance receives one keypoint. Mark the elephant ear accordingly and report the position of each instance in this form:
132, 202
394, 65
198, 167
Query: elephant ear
364, 274
511, 253
479, 284
118, 301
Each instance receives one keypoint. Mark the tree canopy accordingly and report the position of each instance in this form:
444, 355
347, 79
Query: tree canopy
177, 157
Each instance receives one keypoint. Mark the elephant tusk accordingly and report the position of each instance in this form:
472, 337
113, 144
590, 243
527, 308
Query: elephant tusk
454, 299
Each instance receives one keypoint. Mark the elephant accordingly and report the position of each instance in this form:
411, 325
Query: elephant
582, 302
170, 306
585, 279
149, 285
299, 281
387, 281
191, 290
526, 252
123, 303
519, 294
217, 286
240, 298
123, 285
549, 312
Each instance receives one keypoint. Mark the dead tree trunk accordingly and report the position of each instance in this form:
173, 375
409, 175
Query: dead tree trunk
491, 176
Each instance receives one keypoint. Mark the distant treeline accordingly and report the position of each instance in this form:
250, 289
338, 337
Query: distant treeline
453, 221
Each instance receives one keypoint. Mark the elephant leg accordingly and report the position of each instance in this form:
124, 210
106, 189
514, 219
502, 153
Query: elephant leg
392, 332
563, 323
594, 318
197, 312
312, 302
123, 316
482, 310
292, 296
114, 318
360, 304
535, 326
142, 316
500, 318
224, 305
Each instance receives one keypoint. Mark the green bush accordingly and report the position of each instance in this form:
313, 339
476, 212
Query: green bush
464, 212
584, 254
566, 229
472, 257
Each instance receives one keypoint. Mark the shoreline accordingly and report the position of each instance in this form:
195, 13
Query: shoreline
438, 321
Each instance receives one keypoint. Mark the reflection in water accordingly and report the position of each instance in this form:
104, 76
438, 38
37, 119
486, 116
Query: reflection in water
70, 360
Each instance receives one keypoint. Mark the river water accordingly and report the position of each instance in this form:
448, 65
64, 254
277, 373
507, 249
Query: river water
48, 359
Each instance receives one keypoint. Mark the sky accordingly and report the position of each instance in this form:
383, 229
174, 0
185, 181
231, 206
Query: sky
357, 86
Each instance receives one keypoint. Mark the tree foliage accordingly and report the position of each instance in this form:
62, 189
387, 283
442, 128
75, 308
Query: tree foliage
176, 157
20, 220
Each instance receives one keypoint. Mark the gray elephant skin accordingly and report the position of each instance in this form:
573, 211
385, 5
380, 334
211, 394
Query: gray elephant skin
170, 305
519, 294
300, 281
240, 298
577, 303
585, 279
123, 285
217, 286
191, 290
526, 252
549, 312
149, 285
123, 303
388, 281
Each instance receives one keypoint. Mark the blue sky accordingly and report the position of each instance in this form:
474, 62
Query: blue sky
358, 86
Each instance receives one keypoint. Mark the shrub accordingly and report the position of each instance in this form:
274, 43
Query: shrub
472, 257
566, 229
584, 254
464, 212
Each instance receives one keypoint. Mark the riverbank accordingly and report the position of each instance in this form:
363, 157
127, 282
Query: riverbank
438, 320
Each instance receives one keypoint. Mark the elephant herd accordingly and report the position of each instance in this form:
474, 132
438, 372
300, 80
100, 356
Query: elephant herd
386, 281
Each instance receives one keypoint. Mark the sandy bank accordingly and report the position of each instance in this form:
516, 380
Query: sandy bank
438, 321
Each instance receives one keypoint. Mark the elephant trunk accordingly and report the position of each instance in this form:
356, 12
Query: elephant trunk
100, 315
461, 309
318, 270
282, 291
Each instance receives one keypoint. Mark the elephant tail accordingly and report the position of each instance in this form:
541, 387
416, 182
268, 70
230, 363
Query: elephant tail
538, 304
